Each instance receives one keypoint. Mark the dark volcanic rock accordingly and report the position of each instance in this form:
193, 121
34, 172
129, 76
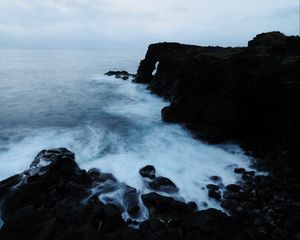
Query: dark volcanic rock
147, 171
249, 94
159, 204
239, 170
131, 198
212, 187
163, 184
214, 194
46, 203
120, 74
185, 223
217, 179
233, 188
52, 200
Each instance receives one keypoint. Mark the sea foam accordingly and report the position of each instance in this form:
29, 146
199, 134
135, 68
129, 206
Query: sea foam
129, 135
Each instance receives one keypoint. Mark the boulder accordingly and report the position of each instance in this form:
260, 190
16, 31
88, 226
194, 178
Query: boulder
163, 184
148, 171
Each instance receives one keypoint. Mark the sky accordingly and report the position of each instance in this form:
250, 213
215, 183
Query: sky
137, 23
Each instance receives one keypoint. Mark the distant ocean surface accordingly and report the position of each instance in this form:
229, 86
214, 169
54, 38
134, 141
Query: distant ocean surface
53, 98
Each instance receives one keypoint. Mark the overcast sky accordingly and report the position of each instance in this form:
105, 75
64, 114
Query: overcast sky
118, 23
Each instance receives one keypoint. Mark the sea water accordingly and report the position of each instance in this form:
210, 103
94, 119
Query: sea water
53, 98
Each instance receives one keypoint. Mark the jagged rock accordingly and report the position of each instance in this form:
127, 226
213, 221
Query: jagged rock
214, 194
249, 94
163, 184
160, 204
192, 205
148, 171
239, 170
131, 199
233, 187
46, 203
55, 199
212, 187
120, 74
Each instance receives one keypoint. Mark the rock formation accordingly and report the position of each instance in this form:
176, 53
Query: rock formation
53, 199
250, 95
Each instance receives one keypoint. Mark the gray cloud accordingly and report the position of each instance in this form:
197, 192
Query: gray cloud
97, 23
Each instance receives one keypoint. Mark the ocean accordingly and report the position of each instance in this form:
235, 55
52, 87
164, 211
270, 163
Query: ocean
53, 98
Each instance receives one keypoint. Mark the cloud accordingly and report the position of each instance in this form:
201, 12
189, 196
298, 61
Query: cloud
96, 23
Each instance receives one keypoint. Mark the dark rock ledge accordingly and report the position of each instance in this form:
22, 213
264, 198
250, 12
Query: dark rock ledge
53, 200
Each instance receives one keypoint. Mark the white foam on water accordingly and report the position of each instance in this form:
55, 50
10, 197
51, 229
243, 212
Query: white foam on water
134, 137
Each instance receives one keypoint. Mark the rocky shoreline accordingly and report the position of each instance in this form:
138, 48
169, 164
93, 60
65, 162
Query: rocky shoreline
247, 95
54, 199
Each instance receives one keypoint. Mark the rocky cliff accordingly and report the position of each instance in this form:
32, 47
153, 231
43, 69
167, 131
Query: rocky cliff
250, 95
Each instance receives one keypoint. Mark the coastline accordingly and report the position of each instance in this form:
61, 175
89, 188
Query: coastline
261, 207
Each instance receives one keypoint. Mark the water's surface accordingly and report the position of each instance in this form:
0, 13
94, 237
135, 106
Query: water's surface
60, 98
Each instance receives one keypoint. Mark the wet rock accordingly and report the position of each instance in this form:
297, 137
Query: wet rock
94, 174
133, 210
247, 177
212, 187
55, 204
163, 184
239, 170
97, 176
46, 157
107, 176
160, 204
120, 74
192, 205
147, 171
203, 205
8, 183
232, 195
131, 200
233, 188
53, 201
216, 179
214, 194
48, 202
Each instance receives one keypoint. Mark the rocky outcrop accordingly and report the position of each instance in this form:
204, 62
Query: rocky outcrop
250, 95
120, 74
269, 207
55, 199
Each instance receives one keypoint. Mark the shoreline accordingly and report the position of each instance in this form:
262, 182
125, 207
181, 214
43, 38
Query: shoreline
209, 98
55, 191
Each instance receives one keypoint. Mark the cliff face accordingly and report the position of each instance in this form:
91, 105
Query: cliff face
249, 94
